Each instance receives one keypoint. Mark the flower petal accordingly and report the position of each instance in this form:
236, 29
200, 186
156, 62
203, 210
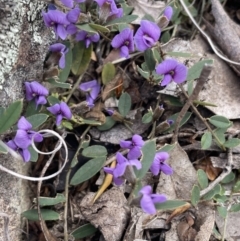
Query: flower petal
54, 109
180, 73
137, 140
158, 198
38, 89
66, 112
161, 156
166, 79
151, 29
22, 139
67, 3
120, 158
147, 205
12, 145
118, 181
71, 29
81, 35
155, 167
40, 100
58, 47
166, 169
87, 86
146, 190
134, 153
73, 15
136, 163
166, 66
124, 52
120, 169
95, 37
25, 154
29, 93
109, 170
61, 62
59, 119
61, 32
24, 124
125, 144
168, 12
58, 17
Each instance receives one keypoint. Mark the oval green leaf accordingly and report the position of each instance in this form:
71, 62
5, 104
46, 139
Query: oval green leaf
222, 211
206, 140
108, 73
33, 153
62, 85
88, 170
167, 148
212, 193
64, 73
170, 205
94, 151
52, 100
220, 121
124, 19
235, 208
37, 120
84, 231
232, 143
147, 118
47, 214
236, 187
109, 123
49, 201
202, 179
145, 74
195, 195
124, 104
99, 28
148, 154
230, 177
10, 116
149, 59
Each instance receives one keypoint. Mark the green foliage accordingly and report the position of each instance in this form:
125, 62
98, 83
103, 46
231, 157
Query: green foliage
59, 84
3, 150
202, 179
147, 118
206, 140
37, 120
222, 211
148, 154
109, 123
124, 104
167, 148
47, 214
195, 195
143, 73
149, 59
81, 58
235, 208
50, 201
232, 142
99, 28
124, 19
212, 193
108, 73
236, 187
34, 154
84, 231
10, 116
220, 121
88, 170
52, 100
95, 151
170, 205
64, 73
230, 177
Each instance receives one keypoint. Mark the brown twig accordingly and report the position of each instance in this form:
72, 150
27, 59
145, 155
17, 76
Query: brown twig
202, 79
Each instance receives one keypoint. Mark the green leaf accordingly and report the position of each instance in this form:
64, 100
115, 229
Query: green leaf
124, 19
174, 118
190, 87
206, 140
2, 110
109, 123
10, 116
62, 85
145, 74
64, 73
148, 154
171, 100
148, 17
167, 148
88, 170
220, 121
232, 143
37, 120
94, 151
50, 201
202, 179
170, 205
220, 199
52, 100
236, 187
149, 59
195, 71
33, 153
235, 208
81, 58
47, 214
195, 195
179, 54
203, 103
165, 37
86, 27
108, 73
67, 124
3, 150
219, 132
212, 193
230, 177
99, 28
32, 109
122, 26
147, 118
124, 104
84, 231
222, 211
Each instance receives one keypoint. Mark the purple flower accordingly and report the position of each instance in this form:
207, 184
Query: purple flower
160, 165
60, 111
120, 168
73, 15
124, 42
25, 133
23, 152
135, 146
147, 35
70, 3
172, 71
62, 49
36, 91
92, 89
87, 37
148, 200
168, 12
57, 20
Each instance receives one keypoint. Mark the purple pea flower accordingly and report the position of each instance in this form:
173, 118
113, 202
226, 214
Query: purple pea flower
172, 71
124, 42
70, 3
62, 49
36, 91
60, 111
148, 200
92, 89
25, 133
135, 146
160, 165
73, 15
168, 12
147, 35
119, 170
57, 20
23, 152
87, 37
